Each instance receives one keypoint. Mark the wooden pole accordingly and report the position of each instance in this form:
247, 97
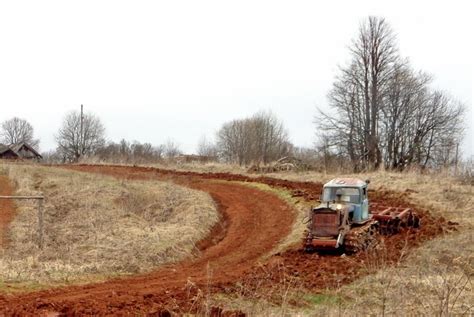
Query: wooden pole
40, 223
81, 140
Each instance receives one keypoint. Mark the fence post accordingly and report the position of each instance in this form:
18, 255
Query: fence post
40, 223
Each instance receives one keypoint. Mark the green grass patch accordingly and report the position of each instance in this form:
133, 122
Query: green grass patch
322, 299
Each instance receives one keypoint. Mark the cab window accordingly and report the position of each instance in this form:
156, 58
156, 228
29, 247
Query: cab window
347, 194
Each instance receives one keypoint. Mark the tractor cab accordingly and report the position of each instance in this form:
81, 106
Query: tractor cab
347, 194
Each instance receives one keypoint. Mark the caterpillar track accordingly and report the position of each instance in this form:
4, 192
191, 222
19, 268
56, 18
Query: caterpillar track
361, 238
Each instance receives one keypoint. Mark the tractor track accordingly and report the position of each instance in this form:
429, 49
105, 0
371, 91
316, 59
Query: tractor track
253, 223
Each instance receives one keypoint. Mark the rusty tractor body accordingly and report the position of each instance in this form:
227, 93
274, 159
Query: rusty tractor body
343, 220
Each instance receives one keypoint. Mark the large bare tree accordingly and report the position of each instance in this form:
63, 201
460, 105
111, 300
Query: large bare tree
79, 137
382, 111
18, 130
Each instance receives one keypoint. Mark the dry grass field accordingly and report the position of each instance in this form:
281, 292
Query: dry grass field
96, 227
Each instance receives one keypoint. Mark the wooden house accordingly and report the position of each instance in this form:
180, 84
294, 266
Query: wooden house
19, 151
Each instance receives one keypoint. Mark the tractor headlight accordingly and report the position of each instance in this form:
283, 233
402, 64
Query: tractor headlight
338, 206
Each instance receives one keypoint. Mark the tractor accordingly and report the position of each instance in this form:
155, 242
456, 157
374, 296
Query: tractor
343, 221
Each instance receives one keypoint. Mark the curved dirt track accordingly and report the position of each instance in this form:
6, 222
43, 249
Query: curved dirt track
255, 222
7, 209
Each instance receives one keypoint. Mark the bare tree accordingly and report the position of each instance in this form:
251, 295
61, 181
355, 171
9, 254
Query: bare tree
130, 152
171, 149
374, 53
269, 138
359, 90
72, 145
385, 112
206, 148
18, 130
261, 138
233, 142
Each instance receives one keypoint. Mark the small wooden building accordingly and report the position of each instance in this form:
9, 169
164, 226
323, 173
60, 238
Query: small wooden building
19, 151
25, 151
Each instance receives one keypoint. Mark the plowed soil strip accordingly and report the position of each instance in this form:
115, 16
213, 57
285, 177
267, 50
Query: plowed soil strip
256, 222
7, 209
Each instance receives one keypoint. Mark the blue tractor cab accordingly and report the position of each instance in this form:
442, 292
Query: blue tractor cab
349, 194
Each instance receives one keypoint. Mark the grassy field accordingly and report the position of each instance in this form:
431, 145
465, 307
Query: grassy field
96, 227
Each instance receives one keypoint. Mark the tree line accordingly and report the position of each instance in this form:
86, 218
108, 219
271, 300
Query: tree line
83, 136
259, 139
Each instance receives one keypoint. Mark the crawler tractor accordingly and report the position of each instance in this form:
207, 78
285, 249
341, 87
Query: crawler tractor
343, 221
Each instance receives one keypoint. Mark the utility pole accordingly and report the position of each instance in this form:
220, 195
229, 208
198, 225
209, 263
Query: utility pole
456, 160
81, 140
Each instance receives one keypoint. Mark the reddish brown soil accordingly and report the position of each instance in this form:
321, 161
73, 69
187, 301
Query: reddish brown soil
7, 209
255, 222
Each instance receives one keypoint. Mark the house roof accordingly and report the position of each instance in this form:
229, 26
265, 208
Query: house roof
17, 147
4, 149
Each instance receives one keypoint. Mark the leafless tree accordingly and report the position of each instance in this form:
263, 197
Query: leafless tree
261, 138
383, 112
269, 138
418, 124
18, 130
130, 152
72, 145
358, 92
206, 148
171, 149
232, 143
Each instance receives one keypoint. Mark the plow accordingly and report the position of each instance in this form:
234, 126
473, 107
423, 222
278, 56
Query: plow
344, 221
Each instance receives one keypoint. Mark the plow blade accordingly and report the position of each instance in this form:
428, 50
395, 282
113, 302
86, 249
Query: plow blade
321, 244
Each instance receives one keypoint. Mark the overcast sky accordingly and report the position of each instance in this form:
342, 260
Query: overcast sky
159, 70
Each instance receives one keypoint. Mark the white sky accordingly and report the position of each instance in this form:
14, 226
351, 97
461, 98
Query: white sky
159, 70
